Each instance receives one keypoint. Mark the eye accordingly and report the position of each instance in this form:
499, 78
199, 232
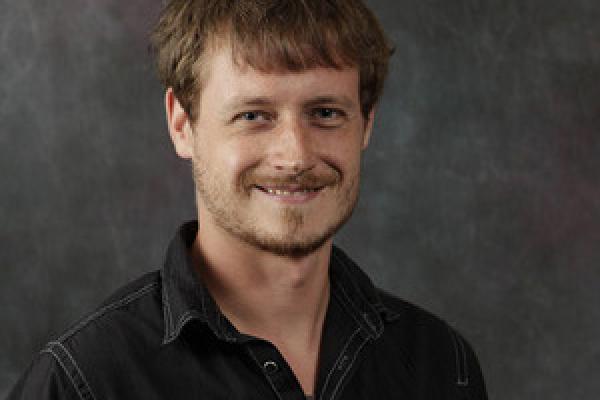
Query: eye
253, 116
327, 113
328, 117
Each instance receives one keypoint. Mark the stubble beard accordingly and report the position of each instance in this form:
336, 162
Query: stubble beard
226, 214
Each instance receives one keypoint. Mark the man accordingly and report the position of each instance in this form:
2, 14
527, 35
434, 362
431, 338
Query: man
273, 102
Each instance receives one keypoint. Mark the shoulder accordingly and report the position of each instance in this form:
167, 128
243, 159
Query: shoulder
396, 309
65, 365
128, 313
135, 300
405, 318
429, 344
414, 325
133, 313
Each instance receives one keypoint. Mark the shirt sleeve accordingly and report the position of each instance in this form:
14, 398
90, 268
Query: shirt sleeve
45, 379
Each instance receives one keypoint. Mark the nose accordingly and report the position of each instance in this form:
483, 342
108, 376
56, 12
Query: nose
291, 149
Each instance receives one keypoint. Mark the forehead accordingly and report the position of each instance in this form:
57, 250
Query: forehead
226, 75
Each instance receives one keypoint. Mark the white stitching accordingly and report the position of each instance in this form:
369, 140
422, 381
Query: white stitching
359, 322
461, 373
343, 352
50, 351
342, 261
341, 286
167, 307
348, 368
109, 307
89, 388
185, 317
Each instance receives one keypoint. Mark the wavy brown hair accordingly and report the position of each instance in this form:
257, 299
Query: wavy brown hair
270, 35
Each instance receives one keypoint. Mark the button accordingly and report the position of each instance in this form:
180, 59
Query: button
271, 367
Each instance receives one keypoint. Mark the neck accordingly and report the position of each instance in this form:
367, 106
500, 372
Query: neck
280, 299
277, 298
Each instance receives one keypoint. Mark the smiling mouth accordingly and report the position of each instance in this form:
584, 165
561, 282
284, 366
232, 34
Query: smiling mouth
278, 191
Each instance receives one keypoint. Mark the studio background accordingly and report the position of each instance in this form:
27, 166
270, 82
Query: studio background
480, 198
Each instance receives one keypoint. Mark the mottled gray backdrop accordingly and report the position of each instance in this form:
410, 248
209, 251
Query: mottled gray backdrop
480, 199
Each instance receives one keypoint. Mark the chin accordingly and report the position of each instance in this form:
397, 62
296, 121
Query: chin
293, 242
289, 248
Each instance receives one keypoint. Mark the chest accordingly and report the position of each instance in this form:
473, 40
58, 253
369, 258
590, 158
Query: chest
261, 376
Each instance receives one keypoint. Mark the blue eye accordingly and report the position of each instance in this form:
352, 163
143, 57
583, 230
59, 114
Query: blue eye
327, 113
250, 116
253, 116
327, 117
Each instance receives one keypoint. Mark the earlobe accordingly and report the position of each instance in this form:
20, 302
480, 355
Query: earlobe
368, 129
179, 125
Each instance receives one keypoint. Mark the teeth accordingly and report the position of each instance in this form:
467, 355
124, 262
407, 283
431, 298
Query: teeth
279, 192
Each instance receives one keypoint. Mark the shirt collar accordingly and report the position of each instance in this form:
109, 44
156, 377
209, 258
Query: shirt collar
184, 296
186, 299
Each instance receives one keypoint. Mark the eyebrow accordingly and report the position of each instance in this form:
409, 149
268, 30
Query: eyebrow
244, 101
341, 100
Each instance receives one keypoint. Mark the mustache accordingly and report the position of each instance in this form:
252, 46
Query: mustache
306, 179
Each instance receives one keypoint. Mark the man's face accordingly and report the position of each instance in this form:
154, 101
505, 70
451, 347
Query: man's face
276, 156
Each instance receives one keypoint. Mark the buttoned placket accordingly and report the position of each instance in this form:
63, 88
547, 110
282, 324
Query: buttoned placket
276, 370
340, 371
282, 379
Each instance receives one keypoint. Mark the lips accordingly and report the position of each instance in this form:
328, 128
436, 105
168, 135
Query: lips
290, 195
295, 189
288, 190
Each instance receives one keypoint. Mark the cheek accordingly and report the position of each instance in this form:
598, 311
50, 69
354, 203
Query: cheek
343, 153
238, 159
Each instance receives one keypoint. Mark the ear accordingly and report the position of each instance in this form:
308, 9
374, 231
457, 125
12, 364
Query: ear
180, 126
368, 128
